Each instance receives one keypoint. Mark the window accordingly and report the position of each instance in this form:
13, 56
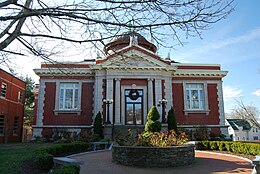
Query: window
2, 124
255, 137
3, 90
15, 129
20, 96
69, 96
194, 97
256, 130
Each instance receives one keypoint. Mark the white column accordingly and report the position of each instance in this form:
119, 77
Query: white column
168, 93
37, 131
117, 102
158, 95
98, 98
109, 95
150, 93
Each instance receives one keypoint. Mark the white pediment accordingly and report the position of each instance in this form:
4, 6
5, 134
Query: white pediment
133, 59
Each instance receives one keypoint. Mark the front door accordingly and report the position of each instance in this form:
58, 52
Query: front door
134, 106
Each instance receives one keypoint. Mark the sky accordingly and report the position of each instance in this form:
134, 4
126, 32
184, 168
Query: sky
234, 43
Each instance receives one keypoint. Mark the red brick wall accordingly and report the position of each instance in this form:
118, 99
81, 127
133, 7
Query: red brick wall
196, 118
10, 107
85, 118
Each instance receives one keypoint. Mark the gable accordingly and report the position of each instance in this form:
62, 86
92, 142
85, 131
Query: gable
133, 57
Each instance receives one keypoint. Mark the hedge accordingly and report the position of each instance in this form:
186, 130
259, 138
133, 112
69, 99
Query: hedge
66, 148
67, 169
43, 157
236, 147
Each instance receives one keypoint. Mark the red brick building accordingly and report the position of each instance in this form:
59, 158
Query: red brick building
124, 85
12, 94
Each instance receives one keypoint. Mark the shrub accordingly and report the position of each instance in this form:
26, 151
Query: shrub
153, 114
172, 125
161, 139
153, 126
43, 160
201, 134
67, 169
235, 147
61, 149
97, 127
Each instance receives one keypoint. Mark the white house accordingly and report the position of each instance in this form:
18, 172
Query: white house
240, 130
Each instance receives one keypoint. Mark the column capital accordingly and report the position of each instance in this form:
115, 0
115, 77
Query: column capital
117, 79
150, 79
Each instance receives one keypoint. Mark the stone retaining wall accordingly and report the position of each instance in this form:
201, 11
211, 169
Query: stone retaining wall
154, 156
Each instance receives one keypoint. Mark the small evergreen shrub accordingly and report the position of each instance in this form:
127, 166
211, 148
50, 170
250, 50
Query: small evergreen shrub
153, 114
152, 125
67, 169
97, 127
172, 125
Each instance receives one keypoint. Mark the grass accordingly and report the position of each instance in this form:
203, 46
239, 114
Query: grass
12, 155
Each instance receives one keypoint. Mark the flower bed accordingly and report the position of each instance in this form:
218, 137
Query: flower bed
144, 156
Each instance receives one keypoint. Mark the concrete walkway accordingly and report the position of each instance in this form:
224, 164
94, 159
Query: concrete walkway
205, 163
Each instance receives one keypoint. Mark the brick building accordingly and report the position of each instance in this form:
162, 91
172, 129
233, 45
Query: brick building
124, 85
12, 94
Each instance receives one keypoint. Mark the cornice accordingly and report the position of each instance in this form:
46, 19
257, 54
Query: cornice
200, 73
63, 71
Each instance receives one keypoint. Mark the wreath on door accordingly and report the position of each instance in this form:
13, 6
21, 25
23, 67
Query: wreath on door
134, 94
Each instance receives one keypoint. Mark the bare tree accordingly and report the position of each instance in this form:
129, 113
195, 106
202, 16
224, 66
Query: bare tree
249, 113
44, 29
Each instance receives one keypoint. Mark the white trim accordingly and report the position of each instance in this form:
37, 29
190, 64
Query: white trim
117, 101
63, 71
200, 73
168, 93
207, 81
57, 109
198, 126
135, 53
158, 96
98, 94
221, 108
39, 120
62, 126
195, 64
110, 95
206, 102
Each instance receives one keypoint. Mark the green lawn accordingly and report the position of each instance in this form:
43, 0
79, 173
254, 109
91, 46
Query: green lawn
12, 155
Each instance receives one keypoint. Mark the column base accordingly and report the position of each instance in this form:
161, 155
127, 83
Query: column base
108, 131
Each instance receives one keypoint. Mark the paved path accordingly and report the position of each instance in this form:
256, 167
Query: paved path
205, 163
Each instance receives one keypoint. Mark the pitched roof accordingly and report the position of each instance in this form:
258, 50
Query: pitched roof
235, 123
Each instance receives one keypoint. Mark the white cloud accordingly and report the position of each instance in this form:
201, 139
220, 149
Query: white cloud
230, 93
257, 93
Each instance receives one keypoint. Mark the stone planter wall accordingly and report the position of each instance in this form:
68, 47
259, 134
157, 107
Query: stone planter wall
154, 156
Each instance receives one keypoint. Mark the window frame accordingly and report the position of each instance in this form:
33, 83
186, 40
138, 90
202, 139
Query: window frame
3, 90
16, 125
2, 117
20, 97
205, 109
58, 95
